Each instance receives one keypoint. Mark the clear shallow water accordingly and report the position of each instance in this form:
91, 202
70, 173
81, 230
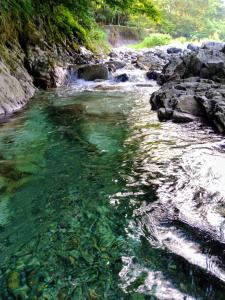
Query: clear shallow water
101, 201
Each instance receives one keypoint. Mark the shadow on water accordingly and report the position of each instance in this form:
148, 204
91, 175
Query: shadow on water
74, 202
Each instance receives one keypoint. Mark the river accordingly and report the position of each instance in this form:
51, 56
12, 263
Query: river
101, 201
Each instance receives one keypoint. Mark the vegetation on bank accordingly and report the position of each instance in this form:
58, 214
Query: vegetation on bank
193, 19
72, 22
69, 22
155, 39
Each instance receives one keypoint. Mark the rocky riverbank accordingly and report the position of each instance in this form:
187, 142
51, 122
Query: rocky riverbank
193, 86
192, 79
45, 66
23, 70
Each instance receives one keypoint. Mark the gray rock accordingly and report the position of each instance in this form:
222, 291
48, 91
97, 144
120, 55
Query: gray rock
207, 62
14, 92
93, 72
174, 70
164, 114
179, 117
191, 99
192, 47
212, 45
174, 50
117, 64
50, 66
122, 78
151, 61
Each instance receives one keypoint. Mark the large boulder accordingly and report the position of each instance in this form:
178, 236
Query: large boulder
50, 66
115, 64
151, 61
173, 70
186, 100
93, 72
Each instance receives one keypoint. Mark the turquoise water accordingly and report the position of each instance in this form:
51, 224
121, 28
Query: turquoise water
71, 185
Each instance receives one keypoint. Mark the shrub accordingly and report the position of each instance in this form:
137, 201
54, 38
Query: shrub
69, 25
155, 39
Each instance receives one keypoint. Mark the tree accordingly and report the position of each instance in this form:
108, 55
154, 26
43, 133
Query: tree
191, 18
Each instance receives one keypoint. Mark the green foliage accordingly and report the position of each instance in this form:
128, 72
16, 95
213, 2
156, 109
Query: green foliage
193, 19
99, 40
120, 12
69, 25
69, 21
155, 39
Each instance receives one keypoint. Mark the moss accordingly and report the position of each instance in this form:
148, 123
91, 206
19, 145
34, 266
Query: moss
33, 35
75, 46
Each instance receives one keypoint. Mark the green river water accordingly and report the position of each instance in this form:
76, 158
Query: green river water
69, 185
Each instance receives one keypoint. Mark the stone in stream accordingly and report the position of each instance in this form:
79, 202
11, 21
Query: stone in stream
66, 114
116, 64
122, 78
93, 72
179, 117
153, 75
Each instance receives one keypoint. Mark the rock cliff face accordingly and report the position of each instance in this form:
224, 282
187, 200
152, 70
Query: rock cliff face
193, 87
16, 88
23, 69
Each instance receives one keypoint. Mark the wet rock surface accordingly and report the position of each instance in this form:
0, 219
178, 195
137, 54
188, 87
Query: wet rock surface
122, 78
151, 61
153, 75
93, 72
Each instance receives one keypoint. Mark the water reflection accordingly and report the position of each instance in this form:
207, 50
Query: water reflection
186, 165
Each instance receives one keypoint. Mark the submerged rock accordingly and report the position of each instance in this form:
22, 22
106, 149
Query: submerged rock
66, 114
93, 72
